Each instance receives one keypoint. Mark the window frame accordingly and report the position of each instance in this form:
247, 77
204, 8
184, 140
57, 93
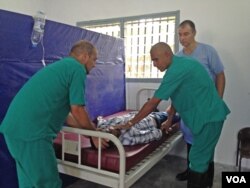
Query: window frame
121, 21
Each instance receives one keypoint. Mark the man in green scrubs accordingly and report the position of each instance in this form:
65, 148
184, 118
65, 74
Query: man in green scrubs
38, 111
195, 98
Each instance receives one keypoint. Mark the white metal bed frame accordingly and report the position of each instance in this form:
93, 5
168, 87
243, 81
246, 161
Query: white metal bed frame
122, 179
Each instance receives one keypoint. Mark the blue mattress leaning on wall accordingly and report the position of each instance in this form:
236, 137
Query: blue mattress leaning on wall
105, 92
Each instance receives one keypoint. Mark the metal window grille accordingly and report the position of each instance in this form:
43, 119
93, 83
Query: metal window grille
112, 29
139, 34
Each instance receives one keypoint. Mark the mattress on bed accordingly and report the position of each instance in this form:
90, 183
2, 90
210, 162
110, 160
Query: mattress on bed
110, 156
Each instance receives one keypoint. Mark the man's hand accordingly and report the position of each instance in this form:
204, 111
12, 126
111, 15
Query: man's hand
116, 132
104, 143
166, 126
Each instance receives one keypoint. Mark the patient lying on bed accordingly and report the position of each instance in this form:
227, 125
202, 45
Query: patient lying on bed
145, 131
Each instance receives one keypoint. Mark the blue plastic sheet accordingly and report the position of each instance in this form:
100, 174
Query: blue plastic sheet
105, 87
105, 91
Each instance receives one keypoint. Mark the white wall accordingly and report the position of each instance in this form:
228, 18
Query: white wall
28, 7
223, 24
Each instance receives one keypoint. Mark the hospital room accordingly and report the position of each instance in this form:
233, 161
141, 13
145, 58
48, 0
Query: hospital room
134, 93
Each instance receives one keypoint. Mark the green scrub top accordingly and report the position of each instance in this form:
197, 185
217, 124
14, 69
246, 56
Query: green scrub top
193, 93
41, 106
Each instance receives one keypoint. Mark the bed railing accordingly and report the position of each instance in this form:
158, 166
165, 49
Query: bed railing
121, 179
113, 177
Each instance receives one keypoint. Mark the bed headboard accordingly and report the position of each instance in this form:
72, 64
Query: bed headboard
105, 91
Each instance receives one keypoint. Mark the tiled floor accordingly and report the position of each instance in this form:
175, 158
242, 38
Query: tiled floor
161, 175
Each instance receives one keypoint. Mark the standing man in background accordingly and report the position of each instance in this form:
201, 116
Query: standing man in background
210, 59
38, 111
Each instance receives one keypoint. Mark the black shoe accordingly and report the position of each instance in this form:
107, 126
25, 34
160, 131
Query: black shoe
197, 180
182, 176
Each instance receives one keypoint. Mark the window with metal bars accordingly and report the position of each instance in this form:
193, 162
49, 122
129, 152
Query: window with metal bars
140, 33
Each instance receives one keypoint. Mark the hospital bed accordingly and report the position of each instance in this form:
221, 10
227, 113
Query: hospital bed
119, 166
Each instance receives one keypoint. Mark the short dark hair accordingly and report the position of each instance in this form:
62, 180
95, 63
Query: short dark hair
188, 22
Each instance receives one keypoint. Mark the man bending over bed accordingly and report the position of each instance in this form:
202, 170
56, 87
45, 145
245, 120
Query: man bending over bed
36, 115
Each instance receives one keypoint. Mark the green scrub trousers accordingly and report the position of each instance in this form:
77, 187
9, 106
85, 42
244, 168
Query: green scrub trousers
34, 158
203, 147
